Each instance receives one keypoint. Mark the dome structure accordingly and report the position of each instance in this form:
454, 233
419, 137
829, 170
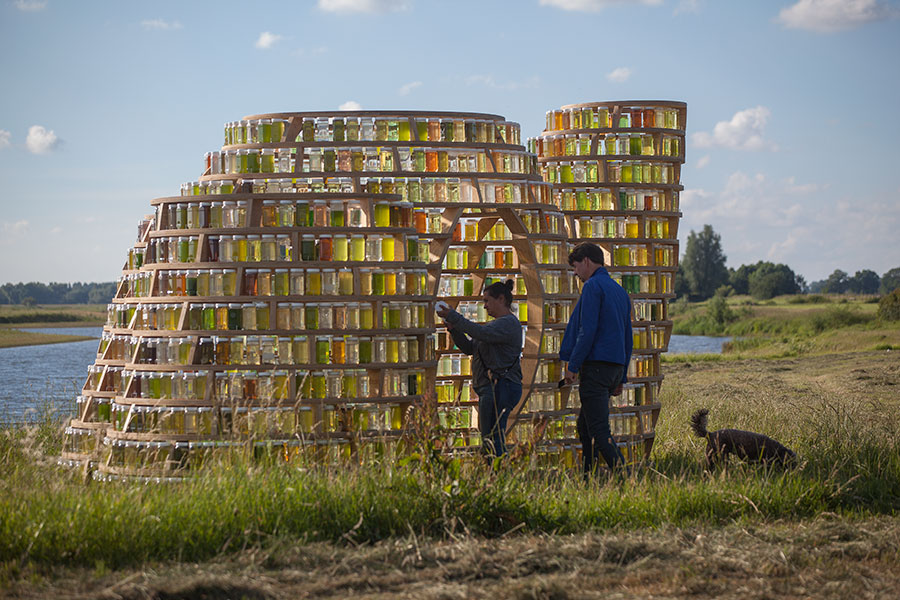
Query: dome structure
284, 299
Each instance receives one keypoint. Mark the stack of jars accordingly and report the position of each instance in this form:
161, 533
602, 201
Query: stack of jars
287, 291
615, 170
479, 208
318, 334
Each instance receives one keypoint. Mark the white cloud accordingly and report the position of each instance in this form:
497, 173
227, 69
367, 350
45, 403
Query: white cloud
703, 161
13, 231
406, 88
491, 82
364, 6
4, 139
160, 24
801, 225
56, 230
31, 5
793, 187
41, 140
593, 5
828, 16
267, 40
743, 132
744, 197
350, 105
619, 75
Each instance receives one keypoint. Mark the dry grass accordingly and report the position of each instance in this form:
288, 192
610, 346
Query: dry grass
822, 558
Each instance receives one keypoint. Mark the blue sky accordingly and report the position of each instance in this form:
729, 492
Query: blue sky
793, 122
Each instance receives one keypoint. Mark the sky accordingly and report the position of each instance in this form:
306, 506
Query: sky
792, 131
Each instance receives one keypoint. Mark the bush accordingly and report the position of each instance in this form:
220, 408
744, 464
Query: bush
808, 299
889, 307
719, 311
836, 317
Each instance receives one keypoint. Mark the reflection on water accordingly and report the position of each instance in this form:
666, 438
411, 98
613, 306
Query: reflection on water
37, 378
697, 344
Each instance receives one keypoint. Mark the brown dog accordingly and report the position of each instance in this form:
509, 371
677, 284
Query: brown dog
746, 445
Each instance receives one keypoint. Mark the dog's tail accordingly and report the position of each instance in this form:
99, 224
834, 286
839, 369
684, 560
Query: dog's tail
698, 422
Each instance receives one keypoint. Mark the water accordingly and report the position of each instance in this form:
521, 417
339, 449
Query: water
697, 344
34, 378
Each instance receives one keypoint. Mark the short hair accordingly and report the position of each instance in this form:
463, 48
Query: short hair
586, 250
498, 289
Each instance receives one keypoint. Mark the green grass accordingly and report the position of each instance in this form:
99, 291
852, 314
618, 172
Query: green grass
14, 337
49, 516
37, 316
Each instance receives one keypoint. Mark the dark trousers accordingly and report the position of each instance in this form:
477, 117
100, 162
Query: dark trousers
492, 416
596, 380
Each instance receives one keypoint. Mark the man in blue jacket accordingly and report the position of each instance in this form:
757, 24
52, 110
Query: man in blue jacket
597, 348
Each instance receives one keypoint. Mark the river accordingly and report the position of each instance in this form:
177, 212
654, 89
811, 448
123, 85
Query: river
34, 379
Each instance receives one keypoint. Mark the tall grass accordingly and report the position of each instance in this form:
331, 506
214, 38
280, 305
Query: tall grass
830, 318
51, 516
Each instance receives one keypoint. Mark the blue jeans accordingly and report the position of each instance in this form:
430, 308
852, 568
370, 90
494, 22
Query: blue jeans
596, 380
492, 416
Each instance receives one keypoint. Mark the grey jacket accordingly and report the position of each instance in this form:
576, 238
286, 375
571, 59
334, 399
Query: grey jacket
494, 346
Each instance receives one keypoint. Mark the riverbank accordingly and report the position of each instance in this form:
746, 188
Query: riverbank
788, 326
431, 528
16, 320
11, 338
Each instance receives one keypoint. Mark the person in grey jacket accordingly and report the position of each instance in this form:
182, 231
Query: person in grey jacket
495, 348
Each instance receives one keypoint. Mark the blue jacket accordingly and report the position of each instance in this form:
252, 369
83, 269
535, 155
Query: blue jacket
600, 326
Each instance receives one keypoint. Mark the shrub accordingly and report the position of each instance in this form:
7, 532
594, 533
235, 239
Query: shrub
889, 306
836, 317
719, 311
808, 299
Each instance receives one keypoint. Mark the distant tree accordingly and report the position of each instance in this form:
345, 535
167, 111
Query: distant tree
739, 278
765, 280
864, 282
890, 281
769, 280
682, 289
28, 301
101, 293
56, 293
816, 287
837, 283
704, 263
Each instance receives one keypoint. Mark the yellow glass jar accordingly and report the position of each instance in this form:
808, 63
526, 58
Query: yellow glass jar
345, 282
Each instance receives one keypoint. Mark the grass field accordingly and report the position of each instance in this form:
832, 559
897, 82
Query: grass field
15, 320
67, 315
435, 528
14, 337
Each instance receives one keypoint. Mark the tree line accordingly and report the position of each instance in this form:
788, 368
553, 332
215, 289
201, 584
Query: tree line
33, 293
702, 273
